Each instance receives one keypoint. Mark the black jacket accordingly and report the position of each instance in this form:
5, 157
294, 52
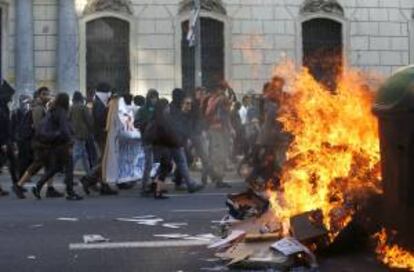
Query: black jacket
5, 131
22, 125
55, 128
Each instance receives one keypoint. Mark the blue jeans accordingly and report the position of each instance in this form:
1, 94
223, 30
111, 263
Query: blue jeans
180, 160
80, 153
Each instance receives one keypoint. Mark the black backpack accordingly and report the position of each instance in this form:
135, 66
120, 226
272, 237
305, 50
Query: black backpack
48, 131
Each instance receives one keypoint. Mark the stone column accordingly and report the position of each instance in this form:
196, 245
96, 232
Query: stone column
68, 48
24, 45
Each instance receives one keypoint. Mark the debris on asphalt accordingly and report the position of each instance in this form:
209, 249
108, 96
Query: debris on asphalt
247, 204
94, 238
172, 235
31, 257
149, 222
36, 226
308, 228
71, 219
289, 246
149, 216
232, 237
215, 268
174, 225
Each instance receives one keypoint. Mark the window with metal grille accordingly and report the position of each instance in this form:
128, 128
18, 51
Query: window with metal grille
323, 50
212, 46
107, 53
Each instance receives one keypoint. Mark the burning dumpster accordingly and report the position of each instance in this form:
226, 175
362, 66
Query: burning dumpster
394, 106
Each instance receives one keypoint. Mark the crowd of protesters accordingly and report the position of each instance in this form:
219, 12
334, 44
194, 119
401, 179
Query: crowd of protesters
205, 127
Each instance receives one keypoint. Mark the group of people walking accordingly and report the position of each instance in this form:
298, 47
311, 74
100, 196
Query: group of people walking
208, 126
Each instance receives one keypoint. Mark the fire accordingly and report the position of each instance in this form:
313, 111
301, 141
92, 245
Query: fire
393, 255
334, 158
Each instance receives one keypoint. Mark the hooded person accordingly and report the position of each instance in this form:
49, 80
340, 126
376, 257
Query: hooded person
22, 131
6, 94
143, 118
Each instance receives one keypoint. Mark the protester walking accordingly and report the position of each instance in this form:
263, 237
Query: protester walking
82, 124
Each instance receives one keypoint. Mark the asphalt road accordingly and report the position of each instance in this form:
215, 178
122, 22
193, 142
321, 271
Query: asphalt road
32, 238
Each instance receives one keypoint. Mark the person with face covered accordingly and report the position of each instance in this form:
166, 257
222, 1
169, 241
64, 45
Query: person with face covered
143, 117
22, 130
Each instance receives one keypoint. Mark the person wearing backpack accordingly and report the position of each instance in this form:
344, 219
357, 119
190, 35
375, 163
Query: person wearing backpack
55, 135
42, 99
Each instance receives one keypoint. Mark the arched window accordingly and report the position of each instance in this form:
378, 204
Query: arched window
212, 56
323, 50
213, 43
107, 53
322, 38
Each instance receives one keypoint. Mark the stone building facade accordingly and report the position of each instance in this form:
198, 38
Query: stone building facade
139, 44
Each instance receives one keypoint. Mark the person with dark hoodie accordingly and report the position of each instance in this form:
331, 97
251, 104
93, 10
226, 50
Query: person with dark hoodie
39, 110
169, 132
22, 130
143, 117
56, 135
6, 94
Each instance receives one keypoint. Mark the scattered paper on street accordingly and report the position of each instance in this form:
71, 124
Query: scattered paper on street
149, 216
172, 235
72, 219
31, 257
149, 222
289, 246
174, 225
234, 235
94, 238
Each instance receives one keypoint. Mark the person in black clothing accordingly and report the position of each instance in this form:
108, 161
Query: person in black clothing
144, 116
22, 130
6, 147
55, 134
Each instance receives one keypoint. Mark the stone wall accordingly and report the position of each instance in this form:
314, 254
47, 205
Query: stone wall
260, 34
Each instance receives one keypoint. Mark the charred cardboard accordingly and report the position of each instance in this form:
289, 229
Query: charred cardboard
247, 204
308, 228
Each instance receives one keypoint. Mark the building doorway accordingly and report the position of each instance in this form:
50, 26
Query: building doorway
212, 46
107, 53
323, 50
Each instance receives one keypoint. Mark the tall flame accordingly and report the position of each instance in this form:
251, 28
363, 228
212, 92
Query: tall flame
334, 157
393, 255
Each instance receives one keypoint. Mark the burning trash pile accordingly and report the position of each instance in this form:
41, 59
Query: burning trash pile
331, 172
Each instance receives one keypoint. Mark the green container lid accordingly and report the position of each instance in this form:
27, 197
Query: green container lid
395, 89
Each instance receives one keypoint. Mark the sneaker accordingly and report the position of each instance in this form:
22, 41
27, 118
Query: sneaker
73, 197
3, 193
106, 190
195, 188
18, 190
53, 193
85, 185
36, 192
222, 184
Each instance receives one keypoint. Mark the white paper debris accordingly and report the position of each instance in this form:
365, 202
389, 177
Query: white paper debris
289, 246
172, 235
149, 216
72, 219
234, 235
149, 222
36, 226
174, 225
31, 257
94, 238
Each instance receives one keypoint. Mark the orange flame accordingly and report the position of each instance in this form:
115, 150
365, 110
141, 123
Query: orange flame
393, 255
334, 157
